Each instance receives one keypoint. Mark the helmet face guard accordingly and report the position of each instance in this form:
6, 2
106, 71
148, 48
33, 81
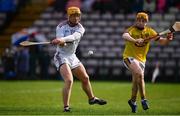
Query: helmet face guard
73, 10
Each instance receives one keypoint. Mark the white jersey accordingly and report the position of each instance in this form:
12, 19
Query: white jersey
63, 30
66, 54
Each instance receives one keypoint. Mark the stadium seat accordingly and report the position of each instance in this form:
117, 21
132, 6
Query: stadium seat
51, 35
52, 23
114, 23
174, 44
103, 71
92, 62
170, 63
173, 10
97, 42
91, 71
102, 37
58, 16
49, 10
106, 63
46, 16
117, 63
117, 72
164, 24
102, 24
127, 73
168, 49
126, 23
110, 55
169, 17
130, 17
119, 17
151, 55
178, 17
107, 16
2, 19
95, 30
108, 30
115, 37
94, 16
176, 55
84, 43
120, 30
159, 28
153, 24
104, 49
155, 50
89, 36
109, 43
89, 23
156, 17
169, 72
39, 23
163, 56
98, 54
45, 29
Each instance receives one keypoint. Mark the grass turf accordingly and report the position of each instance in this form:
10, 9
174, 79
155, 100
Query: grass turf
44, 98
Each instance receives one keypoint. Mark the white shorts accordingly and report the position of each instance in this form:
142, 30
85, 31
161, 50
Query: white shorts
71, 60
130, 60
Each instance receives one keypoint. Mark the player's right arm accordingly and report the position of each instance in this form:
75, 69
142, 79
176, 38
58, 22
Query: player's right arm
162, 40
60, 39
70, 38
59, 34
129, 38
76, 35
166, 40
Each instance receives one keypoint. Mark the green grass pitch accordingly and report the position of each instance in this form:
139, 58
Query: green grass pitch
44, 98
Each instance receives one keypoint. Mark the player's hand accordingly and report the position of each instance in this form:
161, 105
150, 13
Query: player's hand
139, 41
55, 41
58, 41
169, 36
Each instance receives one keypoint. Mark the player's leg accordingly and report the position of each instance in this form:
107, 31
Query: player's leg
138, 72
138, 76
142, 91
131, 67
137, 81
129, 64
141, 86
81, 74
134, 88
132, 101
66, 74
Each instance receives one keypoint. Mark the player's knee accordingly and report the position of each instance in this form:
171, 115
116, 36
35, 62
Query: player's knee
139, 75
69, 82
85, 79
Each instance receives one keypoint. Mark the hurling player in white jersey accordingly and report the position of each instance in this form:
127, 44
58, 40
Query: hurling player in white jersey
68, 35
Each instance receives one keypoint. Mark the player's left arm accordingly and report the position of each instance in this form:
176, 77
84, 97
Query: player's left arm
162, 40
75, 36
166, 40
67, 39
